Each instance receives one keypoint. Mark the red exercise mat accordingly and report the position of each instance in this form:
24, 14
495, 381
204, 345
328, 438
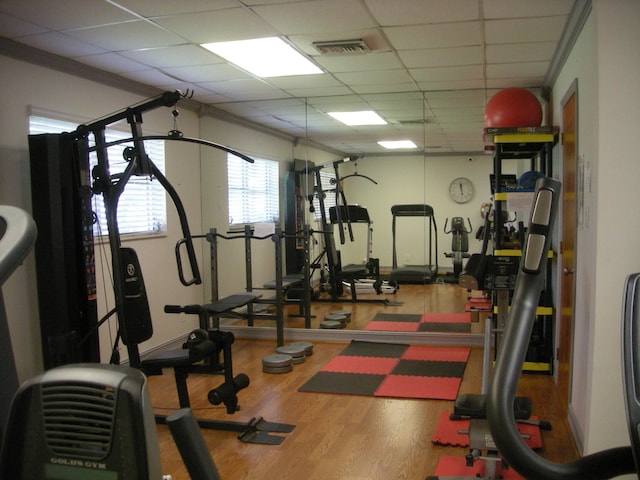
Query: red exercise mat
449, 466
447, 432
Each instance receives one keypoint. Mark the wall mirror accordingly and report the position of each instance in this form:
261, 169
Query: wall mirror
377, 180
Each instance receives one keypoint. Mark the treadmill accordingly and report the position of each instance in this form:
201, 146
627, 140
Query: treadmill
419, 274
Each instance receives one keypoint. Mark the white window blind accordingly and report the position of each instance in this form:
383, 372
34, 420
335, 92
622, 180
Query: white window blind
142, 206
254, 194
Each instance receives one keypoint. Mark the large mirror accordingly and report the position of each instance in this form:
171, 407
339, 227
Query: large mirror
429, 174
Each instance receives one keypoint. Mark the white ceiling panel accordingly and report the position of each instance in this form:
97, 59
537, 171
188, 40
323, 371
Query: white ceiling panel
524, 30
218, 26
175, 56
442, 57
455, 55
157, 8
441, 35
525, 8
407, 12
520, 52
72, 14
340, 16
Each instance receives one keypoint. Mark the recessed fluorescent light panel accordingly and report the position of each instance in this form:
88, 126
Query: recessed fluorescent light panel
366, 117
264, 57
397, 144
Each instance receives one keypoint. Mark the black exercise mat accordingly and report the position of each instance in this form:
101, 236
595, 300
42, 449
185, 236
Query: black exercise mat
392, 370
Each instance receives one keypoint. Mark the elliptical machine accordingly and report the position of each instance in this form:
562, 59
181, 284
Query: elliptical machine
459, 243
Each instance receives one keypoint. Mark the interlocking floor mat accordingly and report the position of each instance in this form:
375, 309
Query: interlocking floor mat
392, 370
415, 322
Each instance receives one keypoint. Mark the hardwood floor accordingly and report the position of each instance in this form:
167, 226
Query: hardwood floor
341, 436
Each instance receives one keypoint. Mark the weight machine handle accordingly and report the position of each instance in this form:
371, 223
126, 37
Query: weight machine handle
184, 224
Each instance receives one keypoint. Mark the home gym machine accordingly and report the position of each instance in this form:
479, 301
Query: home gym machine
419, 274
459, 243
131, 303
340, 215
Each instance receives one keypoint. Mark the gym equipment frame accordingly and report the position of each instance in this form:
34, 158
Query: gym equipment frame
132, 309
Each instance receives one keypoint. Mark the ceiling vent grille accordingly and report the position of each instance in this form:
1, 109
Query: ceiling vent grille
340, 47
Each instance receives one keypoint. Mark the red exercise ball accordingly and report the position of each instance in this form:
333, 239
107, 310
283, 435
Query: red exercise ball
513, 107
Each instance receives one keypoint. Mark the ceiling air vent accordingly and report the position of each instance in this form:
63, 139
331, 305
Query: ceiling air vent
337, 47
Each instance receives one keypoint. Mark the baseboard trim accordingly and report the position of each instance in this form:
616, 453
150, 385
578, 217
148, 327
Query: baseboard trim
346, 336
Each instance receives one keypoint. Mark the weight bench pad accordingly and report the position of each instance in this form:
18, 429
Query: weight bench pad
231, 302
287, 281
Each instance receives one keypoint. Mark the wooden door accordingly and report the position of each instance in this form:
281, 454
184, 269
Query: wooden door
567, 245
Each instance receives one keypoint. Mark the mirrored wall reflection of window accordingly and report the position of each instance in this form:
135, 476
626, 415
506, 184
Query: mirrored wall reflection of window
421, 176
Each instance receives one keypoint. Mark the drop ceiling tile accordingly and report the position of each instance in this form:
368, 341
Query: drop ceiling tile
442, 57
175, 56
311, 92
516, 70
525, 30
11, 27
126, 36
73, 14
383, 87
374, 77
112, 62
340, 16
60, 44
442, 35
218, 26
522, 82
520, 52
303, 81
156, 8
468, 72
154, 78
465, 84
525, 8
245, 90
207, 73
403, 12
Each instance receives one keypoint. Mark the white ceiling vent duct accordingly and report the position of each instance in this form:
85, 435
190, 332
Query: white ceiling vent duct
339, 47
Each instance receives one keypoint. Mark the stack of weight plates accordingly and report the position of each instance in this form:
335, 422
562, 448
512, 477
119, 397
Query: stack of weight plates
343, 313
334, 321
277, 363
296, 352
308, 347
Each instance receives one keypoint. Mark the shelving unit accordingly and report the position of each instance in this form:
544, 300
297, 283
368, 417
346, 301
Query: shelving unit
534, 144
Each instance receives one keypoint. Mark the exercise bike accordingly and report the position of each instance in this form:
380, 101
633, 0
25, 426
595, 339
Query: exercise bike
459, 243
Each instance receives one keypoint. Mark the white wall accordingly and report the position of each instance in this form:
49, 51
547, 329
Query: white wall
421, 180
606, 66
57, 92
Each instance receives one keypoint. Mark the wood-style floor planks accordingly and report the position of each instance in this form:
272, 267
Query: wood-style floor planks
340, 436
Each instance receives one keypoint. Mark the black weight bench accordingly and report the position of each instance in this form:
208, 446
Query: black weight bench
200, 357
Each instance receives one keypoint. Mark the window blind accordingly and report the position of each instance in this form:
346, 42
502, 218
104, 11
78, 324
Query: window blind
253, 188
142, 206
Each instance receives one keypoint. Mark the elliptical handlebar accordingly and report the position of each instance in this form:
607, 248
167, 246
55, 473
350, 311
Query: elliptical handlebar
502, 391
18, 233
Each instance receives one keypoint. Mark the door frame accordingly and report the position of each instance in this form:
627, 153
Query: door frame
571, 91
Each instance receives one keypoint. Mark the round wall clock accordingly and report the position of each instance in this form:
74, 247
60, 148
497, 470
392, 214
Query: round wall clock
461, 190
